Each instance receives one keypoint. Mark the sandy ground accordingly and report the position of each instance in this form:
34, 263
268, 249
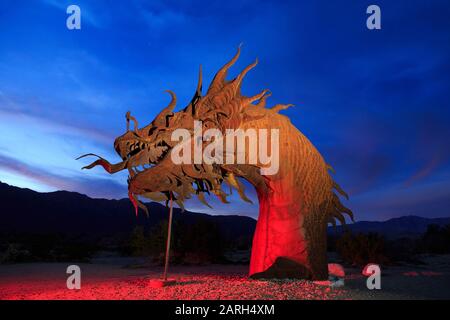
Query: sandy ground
127, 279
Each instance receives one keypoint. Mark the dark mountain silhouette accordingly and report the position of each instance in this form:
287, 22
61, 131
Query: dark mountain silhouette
27, 211
402, 227
71, 213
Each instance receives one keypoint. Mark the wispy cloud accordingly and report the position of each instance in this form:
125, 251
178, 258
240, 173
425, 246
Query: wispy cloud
95, 187
23, 121
430, 199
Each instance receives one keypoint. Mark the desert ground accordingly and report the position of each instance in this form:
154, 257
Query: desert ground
125, 278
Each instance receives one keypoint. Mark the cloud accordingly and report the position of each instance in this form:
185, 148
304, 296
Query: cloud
428, 200
161, 18
24, 120
430, 146
95, 187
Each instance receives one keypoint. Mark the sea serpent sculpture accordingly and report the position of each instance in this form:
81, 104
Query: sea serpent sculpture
295, 204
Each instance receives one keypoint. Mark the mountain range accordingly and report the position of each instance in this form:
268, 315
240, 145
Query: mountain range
27, 211
71, 213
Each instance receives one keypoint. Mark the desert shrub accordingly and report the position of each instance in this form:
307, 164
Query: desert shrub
74, 251
202, 241
157, 238
192, 243
45, 247
138, 244
243, 243
14, 253
331, 242
402, 250
360, 249
436, 239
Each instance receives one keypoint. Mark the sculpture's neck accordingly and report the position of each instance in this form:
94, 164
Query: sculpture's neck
281, 245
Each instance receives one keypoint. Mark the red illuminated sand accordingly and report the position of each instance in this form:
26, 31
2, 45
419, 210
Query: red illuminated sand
113, 281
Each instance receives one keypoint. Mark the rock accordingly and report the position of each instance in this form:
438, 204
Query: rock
338, 284
336, 270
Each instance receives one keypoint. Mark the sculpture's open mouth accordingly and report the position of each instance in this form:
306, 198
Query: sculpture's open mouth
135, 149
143, 155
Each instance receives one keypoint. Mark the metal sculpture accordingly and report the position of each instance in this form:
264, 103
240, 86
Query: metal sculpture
295, 204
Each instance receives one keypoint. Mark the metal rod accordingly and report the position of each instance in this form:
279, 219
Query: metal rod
169, 231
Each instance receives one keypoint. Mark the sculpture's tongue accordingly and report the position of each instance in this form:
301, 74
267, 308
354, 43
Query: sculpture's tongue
110, 168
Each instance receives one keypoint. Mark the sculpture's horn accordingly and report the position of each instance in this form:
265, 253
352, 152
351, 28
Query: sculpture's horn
160, 119
219, 78
197, 95
198, 91
129, 117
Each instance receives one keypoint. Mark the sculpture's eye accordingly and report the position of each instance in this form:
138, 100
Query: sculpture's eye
152, 129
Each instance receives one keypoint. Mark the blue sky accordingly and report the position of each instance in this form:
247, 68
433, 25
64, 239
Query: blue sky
375, 103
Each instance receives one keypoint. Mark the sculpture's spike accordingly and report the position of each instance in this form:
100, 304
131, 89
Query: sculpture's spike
341, 208
180, 204
256, 97
280, 107
201, 197
238, 80
173, 102
198, 92
155, 196
129, 117
340, 190
330, 168
197, 95
262, 102
340, 217
235, 183
143, 207
220, 76
221, 195
160, 120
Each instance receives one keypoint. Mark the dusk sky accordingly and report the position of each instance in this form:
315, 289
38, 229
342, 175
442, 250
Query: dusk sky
374, 102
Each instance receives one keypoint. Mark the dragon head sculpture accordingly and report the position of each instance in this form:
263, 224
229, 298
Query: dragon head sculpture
145, 151
295, 204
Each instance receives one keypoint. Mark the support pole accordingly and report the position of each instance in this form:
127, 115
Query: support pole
169, 231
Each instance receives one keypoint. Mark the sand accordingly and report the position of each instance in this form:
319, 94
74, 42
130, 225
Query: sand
129, 279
